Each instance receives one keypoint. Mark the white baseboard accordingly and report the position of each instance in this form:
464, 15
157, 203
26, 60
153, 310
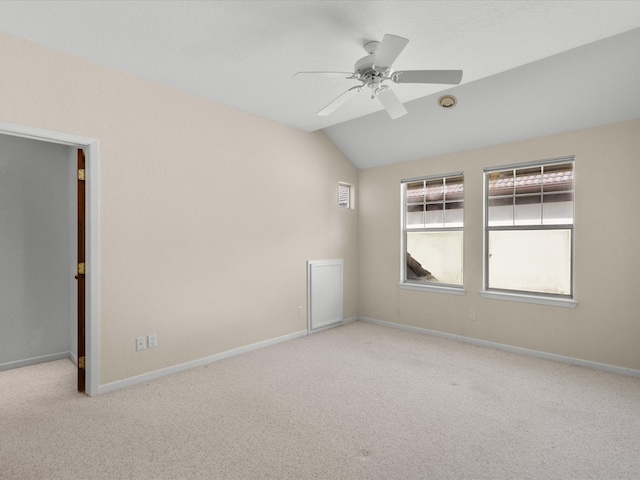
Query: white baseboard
110, 387
333, 325
34, 360
508, 348
128, 382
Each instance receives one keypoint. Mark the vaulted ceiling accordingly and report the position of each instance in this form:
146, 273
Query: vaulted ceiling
531, 68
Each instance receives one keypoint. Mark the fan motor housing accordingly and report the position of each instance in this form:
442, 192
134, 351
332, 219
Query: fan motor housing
365, 65
366, 71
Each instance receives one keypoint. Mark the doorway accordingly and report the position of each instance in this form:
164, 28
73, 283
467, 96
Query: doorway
39, 233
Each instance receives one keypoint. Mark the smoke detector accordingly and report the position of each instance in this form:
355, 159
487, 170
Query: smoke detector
447, 101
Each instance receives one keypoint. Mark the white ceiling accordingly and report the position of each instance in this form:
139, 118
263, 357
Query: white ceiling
244, 54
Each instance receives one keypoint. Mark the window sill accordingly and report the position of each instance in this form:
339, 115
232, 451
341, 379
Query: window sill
432, 288
537, 299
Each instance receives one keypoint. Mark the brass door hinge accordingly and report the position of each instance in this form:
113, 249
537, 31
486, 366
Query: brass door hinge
82, 362
82, 268
81, 175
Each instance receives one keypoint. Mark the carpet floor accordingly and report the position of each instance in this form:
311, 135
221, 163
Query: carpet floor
360, 401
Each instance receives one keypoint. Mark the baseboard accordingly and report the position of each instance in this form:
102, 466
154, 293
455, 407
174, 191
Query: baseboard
34, 360
508, 348
333, 325
349, 320
128, 382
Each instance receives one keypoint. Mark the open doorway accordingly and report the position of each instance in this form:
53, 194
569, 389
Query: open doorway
39, 247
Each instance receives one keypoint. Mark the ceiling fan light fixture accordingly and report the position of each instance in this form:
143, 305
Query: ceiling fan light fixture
447, 101
375, 68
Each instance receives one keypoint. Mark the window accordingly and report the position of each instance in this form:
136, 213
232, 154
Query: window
432, 228
529, 229
344, 195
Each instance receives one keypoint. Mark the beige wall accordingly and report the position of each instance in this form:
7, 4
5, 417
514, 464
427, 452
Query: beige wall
605, 325
207, 214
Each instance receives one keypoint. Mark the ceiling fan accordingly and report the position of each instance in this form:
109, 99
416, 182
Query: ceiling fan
375, 68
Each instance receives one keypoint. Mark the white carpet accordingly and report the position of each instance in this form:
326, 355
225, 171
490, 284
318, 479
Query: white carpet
359, 401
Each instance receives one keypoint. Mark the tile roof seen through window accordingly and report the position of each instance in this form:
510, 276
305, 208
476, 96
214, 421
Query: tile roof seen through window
500, 183
419, 192
503, 183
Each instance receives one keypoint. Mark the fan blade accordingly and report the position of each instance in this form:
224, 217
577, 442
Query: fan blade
389, 50
327, 74
390, 102
339, 101
453, 77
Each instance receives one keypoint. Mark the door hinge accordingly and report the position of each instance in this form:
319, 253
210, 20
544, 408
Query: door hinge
82, 268
81, 175
82, 362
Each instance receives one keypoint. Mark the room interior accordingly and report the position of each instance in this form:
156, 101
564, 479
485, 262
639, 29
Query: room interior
214, 182
369, 402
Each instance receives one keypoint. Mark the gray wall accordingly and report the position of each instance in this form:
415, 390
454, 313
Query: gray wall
35, 251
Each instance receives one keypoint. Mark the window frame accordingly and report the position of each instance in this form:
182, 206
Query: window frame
562, 300
349, 189
439, 287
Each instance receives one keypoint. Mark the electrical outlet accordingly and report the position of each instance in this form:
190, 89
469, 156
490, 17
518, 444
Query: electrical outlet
152, 340
300, 310
140, 344
472, 314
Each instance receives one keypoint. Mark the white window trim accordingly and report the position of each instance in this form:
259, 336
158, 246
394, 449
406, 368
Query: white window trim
432, 287
404, 284
517, 296
350, 196
529, 298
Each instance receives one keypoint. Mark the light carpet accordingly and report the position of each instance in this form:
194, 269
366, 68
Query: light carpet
359, 401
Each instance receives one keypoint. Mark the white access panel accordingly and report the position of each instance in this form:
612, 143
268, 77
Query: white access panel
324, 280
